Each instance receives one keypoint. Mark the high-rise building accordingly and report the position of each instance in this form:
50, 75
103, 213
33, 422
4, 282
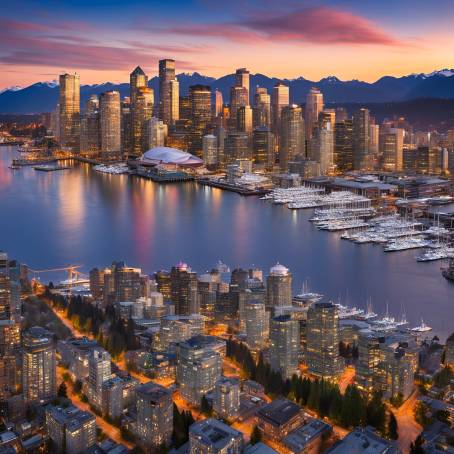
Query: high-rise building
198, 369
126, 127
292, 144
168, 92
39, 366
263, 145
10, 330
322, 147
126, 282
137, 81
256, 324
236, 147
218, 103
89, 127
322, 340
210, 150
157, 133
200, 101
71, 430
279, 99
154, 415
279, 287
226, 402
262, 108
177, 328
285, 342
242, 80
239, 97
174, 101
343, 146
314, 105
164, 283
70, 112
211, 436
143, 112
244, 119
391, 146
361, 154
99, 371
184, 289
369, 357
110, 124
374, 139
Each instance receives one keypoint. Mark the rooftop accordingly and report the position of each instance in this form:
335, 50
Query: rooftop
212, 432
364, 441
298, 440
279, 411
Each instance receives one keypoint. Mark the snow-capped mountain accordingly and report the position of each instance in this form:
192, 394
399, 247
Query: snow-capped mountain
42, 96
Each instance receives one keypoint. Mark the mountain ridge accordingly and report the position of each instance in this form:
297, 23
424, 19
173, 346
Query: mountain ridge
43, 96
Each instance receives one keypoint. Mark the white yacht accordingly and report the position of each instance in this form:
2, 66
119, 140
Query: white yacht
423, 328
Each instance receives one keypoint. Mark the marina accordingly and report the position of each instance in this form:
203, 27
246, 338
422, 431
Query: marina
154, 225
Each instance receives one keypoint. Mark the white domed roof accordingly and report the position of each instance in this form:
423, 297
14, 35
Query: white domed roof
168, 155
279, 270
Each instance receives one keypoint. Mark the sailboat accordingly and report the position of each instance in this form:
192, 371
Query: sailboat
423, 328
306, 296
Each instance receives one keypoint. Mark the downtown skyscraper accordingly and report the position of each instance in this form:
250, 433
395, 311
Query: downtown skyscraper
69, 112
137, 80
312, 110
168, 92
110, 124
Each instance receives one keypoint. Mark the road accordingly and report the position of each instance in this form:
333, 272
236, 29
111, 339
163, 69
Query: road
111, 431
408, 428
347, 378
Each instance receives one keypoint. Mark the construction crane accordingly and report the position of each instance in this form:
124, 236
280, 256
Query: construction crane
73, 274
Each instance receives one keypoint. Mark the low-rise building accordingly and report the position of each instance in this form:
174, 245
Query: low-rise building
226, 402
71, 430
307, 439
277, 419
212, 436
364, 441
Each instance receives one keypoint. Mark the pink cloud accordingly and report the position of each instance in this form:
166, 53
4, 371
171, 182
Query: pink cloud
27, 43
319, 25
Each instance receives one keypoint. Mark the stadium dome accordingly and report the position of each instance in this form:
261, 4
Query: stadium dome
168, 155
279, 270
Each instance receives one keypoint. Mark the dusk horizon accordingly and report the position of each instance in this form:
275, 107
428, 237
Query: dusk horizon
227, 228
310, 39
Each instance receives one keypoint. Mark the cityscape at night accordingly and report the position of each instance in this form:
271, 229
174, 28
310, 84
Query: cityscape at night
227, 228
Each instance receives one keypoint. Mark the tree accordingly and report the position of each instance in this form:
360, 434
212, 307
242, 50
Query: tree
62, 390
393, 431
421, 414
77, 387
376, 412
256, 435
205, 406
416, 446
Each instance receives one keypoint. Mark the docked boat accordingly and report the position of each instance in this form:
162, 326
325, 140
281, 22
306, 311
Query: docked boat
50, 167
423, 328
306, 296
369, 314
349, 312
448, 271
434, 254
114, 169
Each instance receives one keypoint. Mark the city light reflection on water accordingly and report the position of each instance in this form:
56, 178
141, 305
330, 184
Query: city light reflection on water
51, 219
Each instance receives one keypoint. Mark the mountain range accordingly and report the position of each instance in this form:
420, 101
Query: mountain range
43, 96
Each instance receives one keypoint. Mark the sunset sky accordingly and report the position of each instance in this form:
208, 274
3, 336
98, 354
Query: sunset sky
105, 40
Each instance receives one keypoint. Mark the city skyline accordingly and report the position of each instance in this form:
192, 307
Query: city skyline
310, 40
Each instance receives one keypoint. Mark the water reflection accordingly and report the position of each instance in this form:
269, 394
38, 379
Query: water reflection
81, 216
